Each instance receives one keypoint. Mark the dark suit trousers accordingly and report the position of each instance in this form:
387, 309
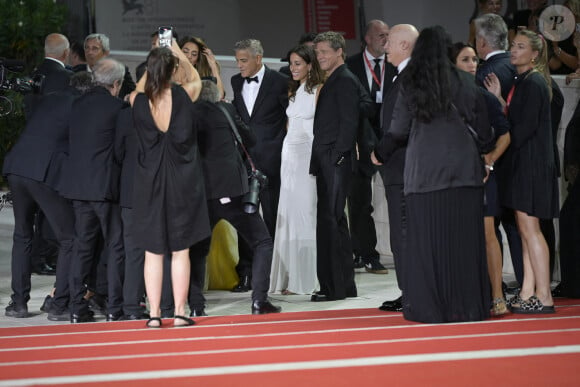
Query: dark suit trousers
397, 227
362, 225
334, 263
569, 242
269, 198
198, 257
508, 222
251, 228
27, 197
91, 220
134, 283
44, 244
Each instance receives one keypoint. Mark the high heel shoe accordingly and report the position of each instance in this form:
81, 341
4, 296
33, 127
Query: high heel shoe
499, 307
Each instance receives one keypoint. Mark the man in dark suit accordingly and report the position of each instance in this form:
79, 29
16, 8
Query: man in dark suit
34, 172
335, 129
56, 78
226, 183
97, 47
261, 99
371, 67
399, 47
491, 44
92, 184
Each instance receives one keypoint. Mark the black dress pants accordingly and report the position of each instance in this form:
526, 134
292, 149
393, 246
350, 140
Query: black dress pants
334, 264
570, 242
252, 229
91, 220
134, 282
397, 228
362, 225
269, 198
28, 196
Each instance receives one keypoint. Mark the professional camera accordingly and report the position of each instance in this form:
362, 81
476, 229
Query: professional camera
23, 85
257, 182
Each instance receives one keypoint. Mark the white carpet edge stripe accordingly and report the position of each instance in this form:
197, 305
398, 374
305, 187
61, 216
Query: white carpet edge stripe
259, 335
297, 366
286, 347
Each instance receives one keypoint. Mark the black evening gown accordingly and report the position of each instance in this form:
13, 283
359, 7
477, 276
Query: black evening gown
169, 202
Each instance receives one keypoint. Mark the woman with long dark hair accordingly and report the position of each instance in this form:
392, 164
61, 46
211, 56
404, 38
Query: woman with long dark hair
294, 259
169, 203
436, 110
203, 59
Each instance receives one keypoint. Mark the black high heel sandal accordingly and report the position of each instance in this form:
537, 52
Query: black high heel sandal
154, 319
188, 322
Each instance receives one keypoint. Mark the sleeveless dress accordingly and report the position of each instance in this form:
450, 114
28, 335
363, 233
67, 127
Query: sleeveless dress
169, 204
294, 258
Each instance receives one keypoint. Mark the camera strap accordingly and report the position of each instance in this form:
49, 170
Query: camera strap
236, 134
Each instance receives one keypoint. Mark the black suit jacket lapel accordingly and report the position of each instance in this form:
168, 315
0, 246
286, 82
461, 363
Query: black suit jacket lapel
263, 90
237, 85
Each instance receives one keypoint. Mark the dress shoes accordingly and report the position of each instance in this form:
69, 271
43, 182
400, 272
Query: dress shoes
320, 297
44, 269
117, 316
16, 310
97, 304
81, 318
198, 312
58, 315
557, 291
47, 304
264, 307
392, 306
374, 266
244, 285
131, 316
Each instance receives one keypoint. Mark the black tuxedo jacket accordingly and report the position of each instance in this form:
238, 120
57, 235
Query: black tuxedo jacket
500, 65
336, 119
92, 173
268, 121
366, 141
393, 157
41, 150
126, 150
56, 78
223, 168
128, 83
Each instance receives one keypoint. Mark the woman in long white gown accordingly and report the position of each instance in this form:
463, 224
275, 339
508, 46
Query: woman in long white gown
294, 259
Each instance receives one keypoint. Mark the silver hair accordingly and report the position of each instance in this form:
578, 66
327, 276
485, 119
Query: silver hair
107, 70
209, 91
56, 47
493, 30
102, 38
254, 46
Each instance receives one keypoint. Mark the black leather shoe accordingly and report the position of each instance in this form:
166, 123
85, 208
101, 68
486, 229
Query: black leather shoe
47, 304
199, 312
98, 304
392, 306
16, 310
319, 297
142, 316
264, 307
358, 262
244, 285
44, 269
115, 316
557, 292
58, 315
81, 318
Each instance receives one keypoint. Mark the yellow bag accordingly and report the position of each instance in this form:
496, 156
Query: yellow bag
222, 258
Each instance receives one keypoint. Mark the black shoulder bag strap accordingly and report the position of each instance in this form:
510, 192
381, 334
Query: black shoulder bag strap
236, 134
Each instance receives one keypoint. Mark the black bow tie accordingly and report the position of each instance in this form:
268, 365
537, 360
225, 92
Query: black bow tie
250, 79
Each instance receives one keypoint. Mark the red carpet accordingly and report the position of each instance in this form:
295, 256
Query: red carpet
339, 348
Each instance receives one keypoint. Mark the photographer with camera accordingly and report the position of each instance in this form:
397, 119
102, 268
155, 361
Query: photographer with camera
229, 195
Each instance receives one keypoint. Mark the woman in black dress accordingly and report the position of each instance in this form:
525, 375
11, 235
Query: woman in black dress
529, 169
443, 185
169, 196
465, 58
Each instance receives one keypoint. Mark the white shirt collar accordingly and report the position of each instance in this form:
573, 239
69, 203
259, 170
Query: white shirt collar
403, 64
260, 74
494, 53
370, 57
55, 60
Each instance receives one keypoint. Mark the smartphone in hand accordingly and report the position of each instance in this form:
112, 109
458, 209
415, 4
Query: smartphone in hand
165, 36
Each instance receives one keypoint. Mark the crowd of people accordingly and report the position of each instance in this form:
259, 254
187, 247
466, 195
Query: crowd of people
133, 177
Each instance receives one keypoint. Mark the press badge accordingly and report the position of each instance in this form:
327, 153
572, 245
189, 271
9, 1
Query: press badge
225, 200
379, 97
